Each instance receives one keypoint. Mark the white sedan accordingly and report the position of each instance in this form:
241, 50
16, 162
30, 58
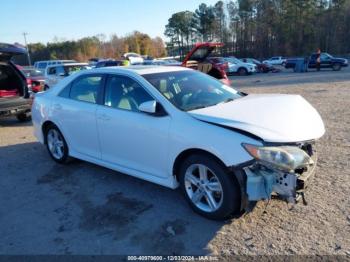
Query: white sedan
178, 127
237, 66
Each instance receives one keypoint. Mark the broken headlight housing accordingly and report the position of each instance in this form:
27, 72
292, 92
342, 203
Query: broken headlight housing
285, 158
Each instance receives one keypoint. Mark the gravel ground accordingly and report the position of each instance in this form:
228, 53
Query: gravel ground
81, 208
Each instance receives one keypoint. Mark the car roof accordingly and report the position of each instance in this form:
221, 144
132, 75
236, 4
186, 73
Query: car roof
140, 70
68, 64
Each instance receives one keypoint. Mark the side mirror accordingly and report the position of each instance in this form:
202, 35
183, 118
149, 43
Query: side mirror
149, 107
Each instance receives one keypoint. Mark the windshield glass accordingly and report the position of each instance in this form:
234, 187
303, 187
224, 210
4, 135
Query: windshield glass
32, 72
233, 60
190, 90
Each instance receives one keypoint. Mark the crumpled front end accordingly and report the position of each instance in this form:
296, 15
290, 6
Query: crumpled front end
264, 181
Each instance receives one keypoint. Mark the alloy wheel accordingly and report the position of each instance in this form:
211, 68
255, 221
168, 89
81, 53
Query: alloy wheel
55, 143
203, 188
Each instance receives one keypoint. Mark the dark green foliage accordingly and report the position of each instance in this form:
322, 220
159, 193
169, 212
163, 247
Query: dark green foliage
262, 28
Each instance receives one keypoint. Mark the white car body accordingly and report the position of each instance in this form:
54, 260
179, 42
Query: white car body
234, 65
276, 60
134, 58
41, 65
55, 73
148, 146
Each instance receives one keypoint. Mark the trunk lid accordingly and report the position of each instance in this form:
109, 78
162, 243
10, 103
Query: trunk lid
7, 51
201, 51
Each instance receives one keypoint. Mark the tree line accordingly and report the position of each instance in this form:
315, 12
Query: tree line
262, 28
98, 47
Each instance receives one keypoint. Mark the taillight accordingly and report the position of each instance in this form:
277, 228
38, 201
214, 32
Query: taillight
29, 84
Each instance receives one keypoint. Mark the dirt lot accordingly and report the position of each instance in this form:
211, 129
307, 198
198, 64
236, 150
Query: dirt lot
81, 208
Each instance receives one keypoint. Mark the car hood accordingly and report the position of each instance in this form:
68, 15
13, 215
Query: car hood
273, 118
7, 51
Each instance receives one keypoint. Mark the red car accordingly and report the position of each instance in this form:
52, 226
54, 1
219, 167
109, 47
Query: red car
197, 59
35, 79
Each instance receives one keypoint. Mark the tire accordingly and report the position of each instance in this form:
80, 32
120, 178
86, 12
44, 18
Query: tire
336, 67
242, 71
56, 145
225, 192
23, 117
284, 64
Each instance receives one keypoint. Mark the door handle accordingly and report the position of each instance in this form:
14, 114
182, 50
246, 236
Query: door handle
57, 106
104, 117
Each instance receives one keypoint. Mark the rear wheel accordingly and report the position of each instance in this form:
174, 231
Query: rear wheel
243, 72
56, 144
208, 188
336, 67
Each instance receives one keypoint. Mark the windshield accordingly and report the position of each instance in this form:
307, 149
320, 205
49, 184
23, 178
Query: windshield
233, 60
190, 90
32, 72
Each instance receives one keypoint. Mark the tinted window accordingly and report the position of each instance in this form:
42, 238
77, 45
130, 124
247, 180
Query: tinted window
86, 88
52, 71
125, 93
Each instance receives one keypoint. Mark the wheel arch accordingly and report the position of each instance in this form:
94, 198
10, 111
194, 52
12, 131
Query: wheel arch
188, 152
44, 128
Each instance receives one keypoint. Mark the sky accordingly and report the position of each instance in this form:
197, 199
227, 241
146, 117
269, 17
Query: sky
44, 20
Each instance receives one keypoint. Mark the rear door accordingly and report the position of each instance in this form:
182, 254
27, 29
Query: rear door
74, 110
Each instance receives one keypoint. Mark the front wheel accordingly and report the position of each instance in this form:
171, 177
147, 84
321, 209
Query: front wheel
243, 72
56, 144
209, 189
336, 67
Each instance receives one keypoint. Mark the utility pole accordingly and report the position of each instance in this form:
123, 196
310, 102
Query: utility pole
25, 41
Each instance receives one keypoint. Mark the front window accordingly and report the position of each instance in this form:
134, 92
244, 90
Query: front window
190, 90
125, 93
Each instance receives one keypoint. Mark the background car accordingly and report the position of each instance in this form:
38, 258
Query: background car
134, 58
197, 59
14, 92
105, 63
236, 66
55, 73
35, 79
327, 61
261, 67
276, 60
41, 65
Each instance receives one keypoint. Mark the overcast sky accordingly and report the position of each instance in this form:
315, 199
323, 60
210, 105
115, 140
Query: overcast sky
73, 19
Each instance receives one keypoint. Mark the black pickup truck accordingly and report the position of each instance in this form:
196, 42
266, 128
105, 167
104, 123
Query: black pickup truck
327, 61
14, 93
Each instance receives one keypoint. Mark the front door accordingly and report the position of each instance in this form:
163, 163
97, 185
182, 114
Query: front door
130, 138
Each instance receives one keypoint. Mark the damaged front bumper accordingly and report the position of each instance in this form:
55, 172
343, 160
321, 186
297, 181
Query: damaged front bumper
260, 182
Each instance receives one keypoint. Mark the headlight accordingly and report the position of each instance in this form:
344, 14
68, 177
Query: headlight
287, 158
